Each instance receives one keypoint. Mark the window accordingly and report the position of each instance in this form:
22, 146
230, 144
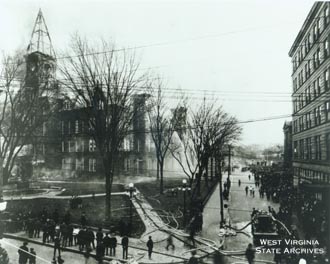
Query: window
317, 116
80, 164
326, 15
315, 65
318, 83
76, 127
66, 164
301, 149
69, 127
295, 149
92, 165
79, 145
317, 142
326, 48
66, 105
327, 110
92, 145
295, 127
308, 148
319, 56
314, 90
295, 84
63, 146
315, 35
44, 128
62, 127
326, 80
327, 144
138, 145
71, 145
309, 94
319, 111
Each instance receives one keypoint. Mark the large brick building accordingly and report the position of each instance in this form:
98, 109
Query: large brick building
65, 147
311, 107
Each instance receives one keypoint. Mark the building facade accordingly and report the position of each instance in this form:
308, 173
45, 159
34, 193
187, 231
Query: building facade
311, 109
64, 146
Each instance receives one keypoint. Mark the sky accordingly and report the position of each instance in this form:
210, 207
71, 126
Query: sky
234, 52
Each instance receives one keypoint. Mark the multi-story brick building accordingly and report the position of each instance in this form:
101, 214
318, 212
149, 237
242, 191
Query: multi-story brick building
311, 107
65, 146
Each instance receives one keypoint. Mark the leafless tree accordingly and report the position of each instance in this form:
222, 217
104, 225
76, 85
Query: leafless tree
105, 81
24, 109
209, 129
162, 126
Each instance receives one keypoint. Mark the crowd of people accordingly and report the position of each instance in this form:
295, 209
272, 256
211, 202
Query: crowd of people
313, 222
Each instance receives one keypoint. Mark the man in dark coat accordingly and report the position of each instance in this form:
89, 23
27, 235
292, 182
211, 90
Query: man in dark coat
124, 243
90, 238
100, 249
32, 257
113, 245
99, 236
57, 245
150, 245
106, 243
23, 253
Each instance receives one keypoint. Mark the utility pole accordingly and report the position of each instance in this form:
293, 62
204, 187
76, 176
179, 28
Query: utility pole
229, 157
221, 195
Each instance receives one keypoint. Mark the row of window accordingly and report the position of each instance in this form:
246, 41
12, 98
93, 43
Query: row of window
320, 85
312, 175
312, 37
311, 66
311, 148
78, 145
78, 164
74, 127
318, 116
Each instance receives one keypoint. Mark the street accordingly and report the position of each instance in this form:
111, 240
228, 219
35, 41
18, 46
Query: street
238, 214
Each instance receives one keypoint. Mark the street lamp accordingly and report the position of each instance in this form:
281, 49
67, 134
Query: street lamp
131, 191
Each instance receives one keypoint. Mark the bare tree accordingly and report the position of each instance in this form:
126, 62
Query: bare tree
209, 129
24, 109
104, 81
162, 126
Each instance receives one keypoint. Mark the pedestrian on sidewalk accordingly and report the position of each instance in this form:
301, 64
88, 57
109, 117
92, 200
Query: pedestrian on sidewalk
246, 190
249, 176
100, 250
99, 236
169, 241
113, 245
32, 257
106, 242
253, 192
239, 183
150, 245
124, 243
250, 189
57, 246
250, 253
23, 253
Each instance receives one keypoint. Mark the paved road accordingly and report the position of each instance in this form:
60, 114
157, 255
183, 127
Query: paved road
239, 213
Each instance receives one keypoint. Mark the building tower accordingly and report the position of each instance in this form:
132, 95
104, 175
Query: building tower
41, 89
40, 59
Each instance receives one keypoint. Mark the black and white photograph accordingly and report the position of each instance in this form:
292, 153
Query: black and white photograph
164, 132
